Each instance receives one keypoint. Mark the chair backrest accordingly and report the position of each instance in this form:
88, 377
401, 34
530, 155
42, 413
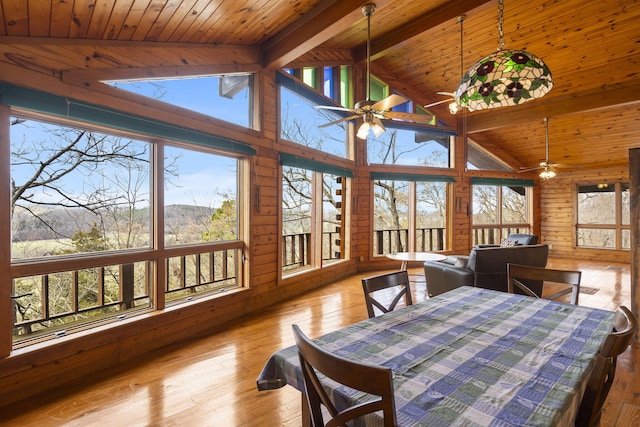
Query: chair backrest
518, 277
523, 239
601, 379
387, 301
372, 379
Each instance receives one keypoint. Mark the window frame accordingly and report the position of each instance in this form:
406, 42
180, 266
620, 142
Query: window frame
157, 255
618, 227
493, 233
412, 181
314, 243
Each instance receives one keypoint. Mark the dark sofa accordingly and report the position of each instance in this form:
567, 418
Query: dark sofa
485, 267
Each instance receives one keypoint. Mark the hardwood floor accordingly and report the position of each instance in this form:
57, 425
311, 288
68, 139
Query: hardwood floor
211, 382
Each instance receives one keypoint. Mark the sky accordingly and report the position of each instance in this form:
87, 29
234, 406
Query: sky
195, 168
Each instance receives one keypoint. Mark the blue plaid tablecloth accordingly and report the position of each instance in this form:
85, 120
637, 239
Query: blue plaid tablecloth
470, 357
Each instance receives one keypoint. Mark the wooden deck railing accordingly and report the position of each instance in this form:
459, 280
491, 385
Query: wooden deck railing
395, 240
61, 301
492, 235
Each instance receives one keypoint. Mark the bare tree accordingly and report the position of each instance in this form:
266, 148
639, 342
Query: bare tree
61, 153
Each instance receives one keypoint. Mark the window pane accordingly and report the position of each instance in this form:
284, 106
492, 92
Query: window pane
514, 205
66, 302
626, 206
207, 272
596, 205
626, 239
597, 238
300, 121
332, 207
76, 190
485, 204
431, 209
409, 147
390, 217
200, 197
479, 159
296, 217
228, 97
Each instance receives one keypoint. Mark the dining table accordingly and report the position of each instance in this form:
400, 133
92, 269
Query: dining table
468, 357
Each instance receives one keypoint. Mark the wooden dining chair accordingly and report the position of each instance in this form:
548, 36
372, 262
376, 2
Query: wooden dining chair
601, 379
371, 379
398, 280
518, 275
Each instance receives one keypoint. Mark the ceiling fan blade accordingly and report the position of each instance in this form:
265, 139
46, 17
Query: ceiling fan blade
389, 102
524, 169
416, 118
433, 104
335, 122
333, 107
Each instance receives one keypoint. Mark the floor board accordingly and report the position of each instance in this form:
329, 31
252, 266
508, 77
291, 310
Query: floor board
211, 382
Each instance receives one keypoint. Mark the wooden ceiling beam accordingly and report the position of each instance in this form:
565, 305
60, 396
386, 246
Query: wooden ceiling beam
324, 21
605, 96
434, 17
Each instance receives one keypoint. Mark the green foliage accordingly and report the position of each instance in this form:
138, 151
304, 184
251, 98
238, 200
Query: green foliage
223, 223
86, 241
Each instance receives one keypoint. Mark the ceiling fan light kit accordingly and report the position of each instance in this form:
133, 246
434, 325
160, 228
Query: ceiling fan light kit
504, 78
547, 173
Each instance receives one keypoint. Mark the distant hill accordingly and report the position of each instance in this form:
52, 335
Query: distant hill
63, 223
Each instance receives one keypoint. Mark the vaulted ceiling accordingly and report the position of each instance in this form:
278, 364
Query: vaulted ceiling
592, 49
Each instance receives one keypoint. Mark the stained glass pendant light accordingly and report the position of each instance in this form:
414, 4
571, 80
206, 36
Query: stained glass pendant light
504, 78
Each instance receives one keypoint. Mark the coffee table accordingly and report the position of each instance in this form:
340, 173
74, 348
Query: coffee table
406, 257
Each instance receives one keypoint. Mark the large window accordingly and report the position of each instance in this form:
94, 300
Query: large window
410, 145
225, 97
500, 207
313, 214
400, 201
302, 123
603, 216
85, 198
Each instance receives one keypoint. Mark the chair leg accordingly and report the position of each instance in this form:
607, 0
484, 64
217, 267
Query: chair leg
306, 414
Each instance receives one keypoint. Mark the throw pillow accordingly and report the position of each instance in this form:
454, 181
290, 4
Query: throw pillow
506, 243
461, 262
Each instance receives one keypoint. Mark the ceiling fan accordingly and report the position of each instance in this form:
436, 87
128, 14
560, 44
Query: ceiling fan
548, 168
370, 111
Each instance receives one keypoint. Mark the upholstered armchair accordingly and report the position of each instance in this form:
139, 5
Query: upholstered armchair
485, 267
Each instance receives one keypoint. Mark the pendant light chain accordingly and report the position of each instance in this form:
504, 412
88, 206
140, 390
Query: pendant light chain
500, 22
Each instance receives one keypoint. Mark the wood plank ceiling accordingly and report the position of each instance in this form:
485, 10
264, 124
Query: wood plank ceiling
592, 49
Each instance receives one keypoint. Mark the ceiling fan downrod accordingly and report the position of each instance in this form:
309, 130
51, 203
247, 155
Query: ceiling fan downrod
367, 10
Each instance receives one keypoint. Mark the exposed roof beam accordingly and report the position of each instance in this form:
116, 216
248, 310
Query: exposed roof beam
324, 21
436, 16
605, 96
